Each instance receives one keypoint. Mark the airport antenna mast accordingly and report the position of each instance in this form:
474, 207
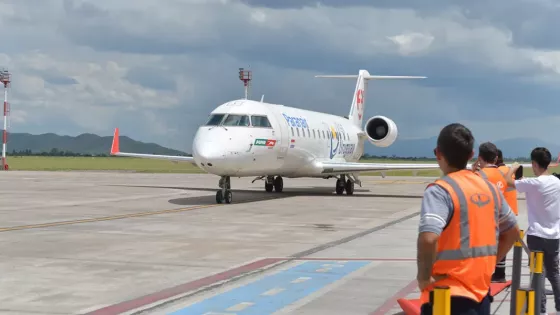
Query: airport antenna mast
5, 78
246, 77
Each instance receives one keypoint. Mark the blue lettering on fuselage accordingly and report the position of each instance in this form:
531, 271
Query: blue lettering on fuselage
296, 121
337, 145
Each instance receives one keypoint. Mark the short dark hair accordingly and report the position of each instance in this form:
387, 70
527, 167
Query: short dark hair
456, 142
488, 152
541, 156
500, 157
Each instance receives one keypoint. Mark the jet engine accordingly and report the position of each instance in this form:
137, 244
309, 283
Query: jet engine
381, 131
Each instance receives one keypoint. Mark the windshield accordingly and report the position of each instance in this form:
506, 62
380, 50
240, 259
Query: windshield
236, 120
215, 119
260, 121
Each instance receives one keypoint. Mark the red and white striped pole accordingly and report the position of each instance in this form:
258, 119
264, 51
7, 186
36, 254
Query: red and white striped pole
5, 78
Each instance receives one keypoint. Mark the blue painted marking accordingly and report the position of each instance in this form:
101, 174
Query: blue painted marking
267, 304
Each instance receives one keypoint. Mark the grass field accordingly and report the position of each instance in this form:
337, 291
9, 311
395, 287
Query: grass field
48, 163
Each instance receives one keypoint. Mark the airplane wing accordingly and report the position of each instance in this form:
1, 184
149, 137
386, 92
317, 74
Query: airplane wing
350, 167
175, 158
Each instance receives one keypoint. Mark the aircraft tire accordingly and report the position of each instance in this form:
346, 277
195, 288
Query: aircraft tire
278, 184
219, 197
268, 187
349, 187
339, 187
229, 196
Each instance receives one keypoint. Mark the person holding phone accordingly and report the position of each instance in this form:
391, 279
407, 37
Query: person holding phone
542, 194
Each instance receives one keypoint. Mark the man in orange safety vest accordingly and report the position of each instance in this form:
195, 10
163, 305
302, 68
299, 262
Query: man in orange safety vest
465, 227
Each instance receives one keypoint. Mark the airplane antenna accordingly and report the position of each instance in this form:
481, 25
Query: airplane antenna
246, 77
6, 79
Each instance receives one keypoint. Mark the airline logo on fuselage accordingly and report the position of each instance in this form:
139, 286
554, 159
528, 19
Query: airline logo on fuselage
337, 143
296, 121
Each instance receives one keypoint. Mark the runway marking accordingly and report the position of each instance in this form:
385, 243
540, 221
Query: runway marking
251, 293
300, 279
108, 218
239, 307
274, 291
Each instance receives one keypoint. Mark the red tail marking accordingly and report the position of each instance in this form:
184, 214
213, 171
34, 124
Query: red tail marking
115, 145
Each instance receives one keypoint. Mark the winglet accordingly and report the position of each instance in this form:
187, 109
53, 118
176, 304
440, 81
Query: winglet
115, 145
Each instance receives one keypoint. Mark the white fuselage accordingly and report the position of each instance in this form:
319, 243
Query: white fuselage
288, 145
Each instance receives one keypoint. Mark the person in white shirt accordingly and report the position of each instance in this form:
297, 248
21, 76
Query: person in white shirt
542, 194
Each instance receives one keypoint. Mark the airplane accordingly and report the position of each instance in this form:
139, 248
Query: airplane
246, 138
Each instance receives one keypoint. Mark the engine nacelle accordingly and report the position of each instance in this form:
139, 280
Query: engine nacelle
381, 131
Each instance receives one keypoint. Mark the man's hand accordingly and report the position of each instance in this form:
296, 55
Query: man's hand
423, 284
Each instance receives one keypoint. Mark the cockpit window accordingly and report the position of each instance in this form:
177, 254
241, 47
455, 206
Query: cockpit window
236, 120
260, 121
215, 119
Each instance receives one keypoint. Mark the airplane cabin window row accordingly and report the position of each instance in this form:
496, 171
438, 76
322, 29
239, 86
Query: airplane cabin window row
238, 120
321, 134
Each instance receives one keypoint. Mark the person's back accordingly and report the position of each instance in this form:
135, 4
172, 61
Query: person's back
542, 194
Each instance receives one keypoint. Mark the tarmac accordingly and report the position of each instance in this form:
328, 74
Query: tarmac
132, 243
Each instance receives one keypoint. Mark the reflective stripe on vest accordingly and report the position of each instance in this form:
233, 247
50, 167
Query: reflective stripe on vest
466, 251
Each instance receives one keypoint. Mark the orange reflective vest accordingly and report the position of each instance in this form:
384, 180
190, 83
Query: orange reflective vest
467, 247
510, 194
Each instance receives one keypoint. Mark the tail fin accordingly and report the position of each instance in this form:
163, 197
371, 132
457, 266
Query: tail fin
358, 101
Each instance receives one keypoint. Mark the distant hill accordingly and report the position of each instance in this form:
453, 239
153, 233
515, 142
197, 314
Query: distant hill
511, 148
86, 143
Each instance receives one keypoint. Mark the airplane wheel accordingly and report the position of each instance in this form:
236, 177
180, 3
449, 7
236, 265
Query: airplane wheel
349, 187
229, 196
278, 184
339, 187
268, 187
219, 197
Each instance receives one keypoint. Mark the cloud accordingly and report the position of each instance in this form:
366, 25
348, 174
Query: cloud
157, 68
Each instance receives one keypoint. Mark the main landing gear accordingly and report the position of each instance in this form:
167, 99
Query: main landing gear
224, 195
276, 183
343, 184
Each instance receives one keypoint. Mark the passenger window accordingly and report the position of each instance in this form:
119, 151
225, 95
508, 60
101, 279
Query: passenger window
323, 131
313, 133
297, 129
260, 121
236, 120
292, 131
308, 133
215, 119
303, 132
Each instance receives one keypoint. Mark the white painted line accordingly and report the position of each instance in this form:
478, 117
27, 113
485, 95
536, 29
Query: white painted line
323, 270
332, 265
342, 262
239, 307
215, 313
300, 279
273, 291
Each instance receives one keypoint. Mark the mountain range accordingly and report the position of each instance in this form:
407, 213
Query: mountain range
88, 143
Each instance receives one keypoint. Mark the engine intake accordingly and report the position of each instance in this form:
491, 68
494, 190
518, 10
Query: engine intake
381, 131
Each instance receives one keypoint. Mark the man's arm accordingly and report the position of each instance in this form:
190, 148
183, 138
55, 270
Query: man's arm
434, 215
509, 230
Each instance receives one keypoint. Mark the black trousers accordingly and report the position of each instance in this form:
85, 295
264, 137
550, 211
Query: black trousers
550, 249
463, 306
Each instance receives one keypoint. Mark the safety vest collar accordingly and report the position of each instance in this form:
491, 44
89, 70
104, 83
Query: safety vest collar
466, 251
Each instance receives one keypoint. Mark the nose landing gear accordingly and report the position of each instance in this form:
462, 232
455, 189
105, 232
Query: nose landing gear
224, 195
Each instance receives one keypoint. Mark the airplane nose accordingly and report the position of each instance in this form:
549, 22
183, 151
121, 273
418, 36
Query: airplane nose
208, 152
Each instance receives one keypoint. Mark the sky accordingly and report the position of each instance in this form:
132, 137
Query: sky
157, 68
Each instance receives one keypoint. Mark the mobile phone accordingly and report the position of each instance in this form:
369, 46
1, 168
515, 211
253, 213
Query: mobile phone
519, 172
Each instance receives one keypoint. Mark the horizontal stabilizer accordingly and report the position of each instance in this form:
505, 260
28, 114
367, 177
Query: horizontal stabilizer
369, 77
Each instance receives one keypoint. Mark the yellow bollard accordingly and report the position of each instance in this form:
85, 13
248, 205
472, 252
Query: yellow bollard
442, 301
525, 302
537, 283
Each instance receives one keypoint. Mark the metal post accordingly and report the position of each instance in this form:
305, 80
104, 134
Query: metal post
442, 301
538, 279
516, 272
525, 302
